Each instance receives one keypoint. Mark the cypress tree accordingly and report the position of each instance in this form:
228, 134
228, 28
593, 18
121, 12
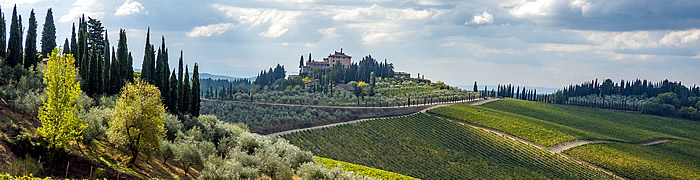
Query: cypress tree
180, 85
66, 47
84, 72
74, 44
14, 47
195, 91
114, 74
3, 40
99, 72
146, 65
30, 43
130, 69
163, 73
301, 61
475, 87
93, 75
106, 67
83, 54
48, 36
174, 89
82, 42
123, 58
187, 93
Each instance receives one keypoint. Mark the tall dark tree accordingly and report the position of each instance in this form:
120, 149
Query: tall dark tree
129, 69
94, 74
476, 89
82, 41
3, 40
195, 91
73, 43
14, 47
174, 90
48, 36
66, 47
148, 64
187, 93
106, 67
301, 61
115, 77
95, 32
30, 58
123, 58
83, 54
163, 73
180, 85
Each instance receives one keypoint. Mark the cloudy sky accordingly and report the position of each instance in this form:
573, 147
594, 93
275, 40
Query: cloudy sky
547, 43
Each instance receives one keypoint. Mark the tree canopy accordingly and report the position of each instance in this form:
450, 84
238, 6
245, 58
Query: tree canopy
60, 125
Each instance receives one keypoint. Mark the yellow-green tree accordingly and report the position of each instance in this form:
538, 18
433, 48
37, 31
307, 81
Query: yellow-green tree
59, 123
137, 123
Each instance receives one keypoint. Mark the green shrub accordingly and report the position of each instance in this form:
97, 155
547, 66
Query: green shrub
687, 112
22, 166
96, 119
172, 126
658, 109
668, 98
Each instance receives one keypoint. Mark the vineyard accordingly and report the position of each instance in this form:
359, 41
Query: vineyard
670, 160
389, 92
259, 118
426, 147
361, 170
528, 120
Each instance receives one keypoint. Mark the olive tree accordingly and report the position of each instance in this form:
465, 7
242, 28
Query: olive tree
137, 123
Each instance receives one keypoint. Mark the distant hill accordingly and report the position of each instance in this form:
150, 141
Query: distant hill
540, 90
212, 76
216, 76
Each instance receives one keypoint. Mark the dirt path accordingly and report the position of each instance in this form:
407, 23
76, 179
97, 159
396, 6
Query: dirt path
428, 107
558, 148
655, 141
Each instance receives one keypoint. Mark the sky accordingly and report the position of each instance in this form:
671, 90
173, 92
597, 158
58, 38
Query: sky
543, 43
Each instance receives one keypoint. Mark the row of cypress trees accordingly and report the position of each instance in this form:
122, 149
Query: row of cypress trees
103, 71
12, 52
180, 94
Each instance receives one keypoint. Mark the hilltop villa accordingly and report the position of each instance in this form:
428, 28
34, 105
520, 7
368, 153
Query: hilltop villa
328, 62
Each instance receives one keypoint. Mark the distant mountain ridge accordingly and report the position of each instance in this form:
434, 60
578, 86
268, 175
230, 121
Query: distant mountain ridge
213, 76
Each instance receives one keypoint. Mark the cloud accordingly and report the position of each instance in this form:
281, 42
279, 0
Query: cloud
329, 32
618, 15
536, 8
376, 13
483, 18
642, 39
208, 30
90, 8
278, 21
128, 8
566, 47
10, 3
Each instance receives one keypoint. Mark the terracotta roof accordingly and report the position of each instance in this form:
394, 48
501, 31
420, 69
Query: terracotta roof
339, 54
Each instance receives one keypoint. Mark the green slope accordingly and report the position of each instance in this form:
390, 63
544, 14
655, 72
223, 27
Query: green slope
670, 160
362, 170
550, 124
426, 147
571, 121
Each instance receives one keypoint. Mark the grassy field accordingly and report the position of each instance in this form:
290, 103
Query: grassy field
426, 147
362, 170
670, 160
550, 124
